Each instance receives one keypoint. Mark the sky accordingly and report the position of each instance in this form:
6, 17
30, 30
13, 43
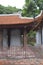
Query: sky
17, 3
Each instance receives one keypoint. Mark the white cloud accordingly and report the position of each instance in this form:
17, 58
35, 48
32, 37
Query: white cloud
17, 3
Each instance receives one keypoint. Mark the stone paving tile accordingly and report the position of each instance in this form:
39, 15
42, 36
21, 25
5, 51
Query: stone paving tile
22, 62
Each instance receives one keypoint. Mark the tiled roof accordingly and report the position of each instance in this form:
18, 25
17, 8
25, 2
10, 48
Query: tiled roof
16, 19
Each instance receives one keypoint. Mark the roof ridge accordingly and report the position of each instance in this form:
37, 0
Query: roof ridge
19, 15
32, 17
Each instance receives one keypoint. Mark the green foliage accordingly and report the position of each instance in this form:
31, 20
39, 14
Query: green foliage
32, 34
32, 8
8, 10
2, 9
32, 38
39, 4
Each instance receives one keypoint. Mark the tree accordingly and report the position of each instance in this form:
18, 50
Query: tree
2, 9
32, 37
32, 7
39, 3
8, 9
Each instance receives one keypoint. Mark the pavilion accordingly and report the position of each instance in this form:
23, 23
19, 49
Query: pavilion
14, 29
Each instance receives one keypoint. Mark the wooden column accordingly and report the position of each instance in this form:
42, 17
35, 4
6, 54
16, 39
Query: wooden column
1, 39
25, 41
25, 37
9, 37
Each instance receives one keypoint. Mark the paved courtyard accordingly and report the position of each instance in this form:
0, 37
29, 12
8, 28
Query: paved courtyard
32, 56
31, 61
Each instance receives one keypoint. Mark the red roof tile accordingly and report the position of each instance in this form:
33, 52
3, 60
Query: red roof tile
15, 19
